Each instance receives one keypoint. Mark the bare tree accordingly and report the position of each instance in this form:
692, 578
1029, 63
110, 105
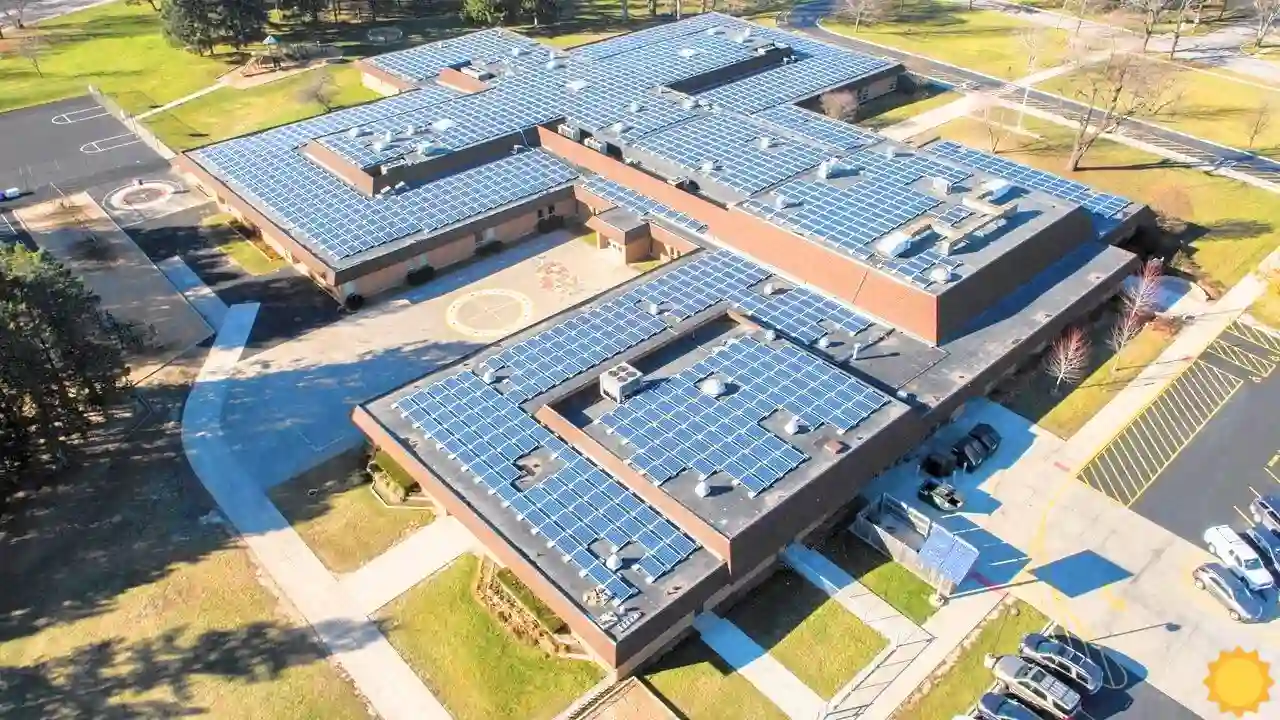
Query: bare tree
1268, 11
1138, 305
1068, 357
1181, 7
320, 89
840, 105
32, 47
865, 11
997, 131
1082, 8
1123, 85
1149, 12
11, 12
1259, 121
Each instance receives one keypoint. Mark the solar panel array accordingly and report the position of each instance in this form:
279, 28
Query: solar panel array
340, 222
674, 426
641, 205
599, 106
424, 61
574, 507
792, 82
730, 142
952, 214
904, 168
1101, 204
642, 38
851, 219
820, 129
541, 362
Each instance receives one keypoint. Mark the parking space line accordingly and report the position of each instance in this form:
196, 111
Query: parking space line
1251, 363
1258, 337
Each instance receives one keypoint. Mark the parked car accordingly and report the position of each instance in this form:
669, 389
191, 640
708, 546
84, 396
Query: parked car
938, 465
1236, 554
1227, 588
975, 448
1036, 686
1265, 510
1267, 545
941, 495
986, 435
1003, 707
10, 194
1064, 660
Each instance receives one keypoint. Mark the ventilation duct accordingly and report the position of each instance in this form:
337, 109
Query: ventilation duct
712, 387
940, 274
702, 489
613, 562
488, 376
793, 425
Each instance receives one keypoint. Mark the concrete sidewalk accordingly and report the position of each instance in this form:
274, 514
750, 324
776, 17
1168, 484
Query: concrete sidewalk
392, 688
774, 681
421, 555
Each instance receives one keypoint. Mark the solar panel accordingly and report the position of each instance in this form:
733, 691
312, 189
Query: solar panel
557, 508
425, 61
952, 214
639, 39
793, 82
732, 144
673, 426
1101, 204
891, 164
820, 129
851, 219
639, 204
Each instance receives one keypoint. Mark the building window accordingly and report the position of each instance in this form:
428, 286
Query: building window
489, 235
551, 209
540, 213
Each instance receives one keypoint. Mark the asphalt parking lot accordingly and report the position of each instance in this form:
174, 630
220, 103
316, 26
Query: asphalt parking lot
1198, 454
1125, 694
71, 145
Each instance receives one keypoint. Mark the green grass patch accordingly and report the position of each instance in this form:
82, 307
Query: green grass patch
476, 668
896, 107
1235, 225
521, 592
228, 112
701, 686
221, 230
395, 473
116, 47
1267, 307
812, 635
963, 682
344, 524
1064, 410
984, 40
1212, 104
893, 582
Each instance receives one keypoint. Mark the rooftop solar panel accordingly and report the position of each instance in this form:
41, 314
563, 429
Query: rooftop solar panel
1106, 206
566, 508
425, 61
639, 204
820, 129
901, 167
648, 36
792, 82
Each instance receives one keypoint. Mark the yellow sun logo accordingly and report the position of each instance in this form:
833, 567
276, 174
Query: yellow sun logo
1239, 682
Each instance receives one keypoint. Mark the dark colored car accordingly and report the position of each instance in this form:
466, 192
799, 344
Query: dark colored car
1227, 588
939, 465
1064, 660
1267, 545
970, 453
986, 435
1265, 510
1003, 707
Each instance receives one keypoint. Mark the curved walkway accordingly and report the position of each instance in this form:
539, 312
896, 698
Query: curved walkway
390, 686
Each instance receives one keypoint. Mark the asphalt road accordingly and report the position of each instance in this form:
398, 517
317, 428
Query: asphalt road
804, 18
71, 145
37, 10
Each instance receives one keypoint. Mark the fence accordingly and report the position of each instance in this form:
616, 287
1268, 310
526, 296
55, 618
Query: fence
142, 131
912, 539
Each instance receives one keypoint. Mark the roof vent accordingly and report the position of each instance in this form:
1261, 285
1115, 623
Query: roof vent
410, 130
708, 166
388, 136
689, 103
556, 63
688, 52
894, 244
489, 376
516, 51
824, 342
941, 185
827, 168
653, 308
765, 142
712, 386
613, 562
576, 85
400, 185
940, 274
636, 106
442, 124
620, 382
889, 151
793, 425
355, 132
781, 202
702, 489
380, 145
769, 288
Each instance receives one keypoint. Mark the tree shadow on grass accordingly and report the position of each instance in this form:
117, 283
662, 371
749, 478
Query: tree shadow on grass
99, 680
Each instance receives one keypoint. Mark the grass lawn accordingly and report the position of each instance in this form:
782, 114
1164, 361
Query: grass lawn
894, 583
964, 681
700, 686
245, 254
120, 601
346, 526
544, 615
984, 40
116, 47
1215, 105
228, 112
1267, 307
1235, 225
1065, 410
895, 107
812, 635
476, 668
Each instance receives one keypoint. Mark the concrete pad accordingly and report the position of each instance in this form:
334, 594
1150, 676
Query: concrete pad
85, 239
205, 301
793, 697
416, 558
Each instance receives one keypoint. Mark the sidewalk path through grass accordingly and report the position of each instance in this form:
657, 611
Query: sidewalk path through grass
392, 688
407, 563
754, 663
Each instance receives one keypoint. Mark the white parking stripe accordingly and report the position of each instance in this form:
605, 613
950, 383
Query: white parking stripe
113, 142
76, 116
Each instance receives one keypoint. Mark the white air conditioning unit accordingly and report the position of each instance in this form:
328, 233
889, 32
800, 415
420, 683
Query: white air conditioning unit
620, 382
595, 144
570, 131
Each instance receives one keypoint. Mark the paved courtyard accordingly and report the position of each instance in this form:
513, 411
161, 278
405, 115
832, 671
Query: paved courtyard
288, 407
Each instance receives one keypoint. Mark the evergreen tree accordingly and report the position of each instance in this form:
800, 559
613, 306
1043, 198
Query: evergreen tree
241, 22
61, 358
310, 9
190, 23
482, 12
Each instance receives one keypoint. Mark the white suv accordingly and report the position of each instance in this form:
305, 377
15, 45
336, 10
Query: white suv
1236, 554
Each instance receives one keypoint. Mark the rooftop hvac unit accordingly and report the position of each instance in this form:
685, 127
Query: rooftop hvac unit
893, 245
595, 144
765, 142
712, 387
827, 169
941, 185
997, 191
688, 52
570, 131
388, 136
410, 130
556, 64
708, 166
576, 85
380, 145
781, 202
516, 51
678, 182
355, 132
636, 106
689, 103
889, 151
620, 382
